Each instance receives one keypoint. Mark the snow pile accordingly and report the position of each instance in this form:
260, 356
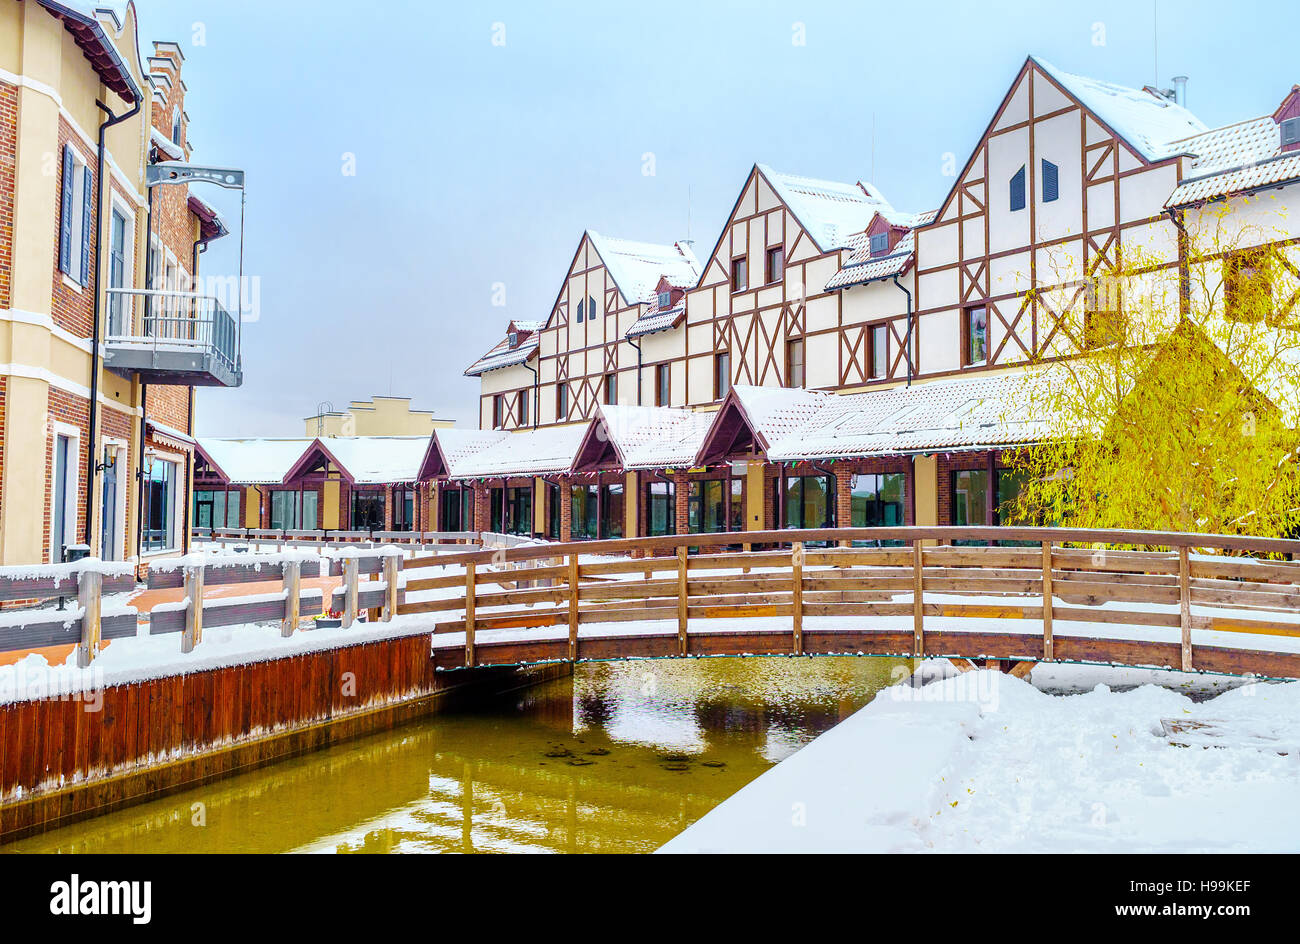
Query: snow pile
984, 762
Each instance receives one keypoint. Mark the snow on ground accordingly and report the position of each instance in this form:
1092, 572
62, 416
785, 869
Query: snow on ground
984, 762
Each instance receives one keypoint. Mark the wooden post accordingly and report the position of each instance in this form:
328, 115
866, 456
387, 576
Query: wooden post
469, 613
796, 587
1185, 605
1047, 601
574, 595
918, 601
193, 634
682, 643
90, 594
293, 590
351, 570
392, 565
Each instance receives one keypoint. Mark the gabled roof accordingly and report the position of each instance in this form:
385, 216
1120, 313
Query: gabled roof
861, 266
1149, 123
545, 451
503, 355
791, 424
641, 437
364, 460
79, 19
829, 211
252, 461
636, 267
448, 448
1233, 159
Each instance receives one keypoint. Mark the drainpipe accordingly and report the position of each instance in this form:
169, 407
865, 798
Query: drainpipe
537, 404
1184, 275
144, 391
909, 328
637, 345
91, 464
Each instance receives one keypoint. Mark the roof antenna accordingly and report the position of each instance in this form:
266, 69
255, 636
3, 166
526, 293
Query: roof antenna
688, 213
1155, 40
873, 148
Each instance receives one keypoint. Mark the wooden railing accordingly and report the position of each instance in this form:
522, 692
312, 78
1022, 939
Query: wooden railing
1154, 581
280, 537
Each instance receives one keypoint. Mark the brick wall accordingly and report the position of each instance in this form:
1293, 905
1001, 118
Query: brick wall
72, 309
70, 410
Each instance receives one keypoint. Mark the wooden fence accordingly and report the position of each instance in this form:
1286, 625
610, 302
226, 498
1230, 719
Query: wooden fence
281, 538
1050, 576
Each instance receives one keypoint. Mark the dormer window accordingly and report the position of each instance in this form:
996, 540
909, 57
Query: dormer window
176, 127
514, 339
879, 244
1290, 130
666, 299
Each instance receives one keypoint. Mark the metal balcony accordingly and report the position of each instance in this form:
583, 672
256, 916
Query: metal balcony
185, 338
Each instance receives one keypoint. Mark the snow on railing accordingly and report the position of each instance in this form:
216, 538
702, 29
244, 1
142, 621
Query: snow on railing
84, 626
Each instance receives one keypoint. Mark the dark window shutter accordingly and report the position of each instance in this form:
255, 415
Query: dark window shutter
1018, 190
580, 306
1291, 131
1050, 187
87, 224
65, 211
879, 243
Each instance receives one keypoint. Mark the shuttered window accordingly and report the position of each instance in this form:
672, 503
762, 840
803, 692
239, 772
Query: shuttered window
1050, 187
1018, 190
76, 205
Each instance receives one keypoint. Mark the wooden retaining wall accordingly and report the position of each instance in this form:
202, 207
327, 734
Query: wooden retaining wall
60, 762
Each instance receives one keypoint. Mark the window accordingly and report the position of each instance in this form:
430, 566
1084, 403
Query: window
1018, 190
176, 127
612, 511
63, 504
1102, 314
553, 511
1009, 483
809, 502
794, 372
661, 508
583, 523
876, 501
1051, 188
216, 509
666, 299
403, 509
117, 274
591, 308
512, 510
581, 308
456, 509
75, 216
1248, 285
1289, 128
714, 505
775, 264
513, 339
294, 510
498, 411
879, 244
970, 497
113, 511
975, 335
367, 510
739, 274
878, 350
663, 384
160, 504
523, 407
611, 388
721, 374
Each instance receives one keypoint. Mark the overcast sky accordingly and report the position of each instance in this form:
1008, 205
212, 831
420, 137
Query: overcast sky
486, 138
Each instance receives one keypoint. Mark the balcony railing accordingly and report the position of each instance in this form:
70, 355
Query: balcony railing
184, 337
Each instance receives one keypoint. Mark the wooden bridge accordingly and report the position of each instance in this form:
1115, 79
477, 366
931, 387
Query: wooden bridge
1008, 597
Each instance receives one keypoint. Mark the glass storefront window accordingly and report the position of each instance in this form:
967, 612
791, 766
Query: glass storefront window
877, 502
661, 508
809, 501
612, 509
368, 511
584, 525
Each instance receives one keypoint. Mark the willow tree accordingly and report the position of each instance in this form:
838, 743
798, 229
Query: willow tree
1168, 398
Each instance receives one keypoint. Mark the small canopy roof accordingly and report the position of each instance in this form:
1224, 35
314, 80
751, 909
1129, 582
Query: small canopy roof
449, 448
641, 437
363, 460
251, 461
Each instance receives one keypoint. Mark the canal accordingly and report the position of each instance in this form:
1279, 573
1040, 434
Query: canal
619, 758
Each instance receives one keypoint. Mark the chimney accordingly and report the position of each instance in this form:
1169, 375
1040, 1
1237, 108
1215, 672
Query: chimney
1180, 90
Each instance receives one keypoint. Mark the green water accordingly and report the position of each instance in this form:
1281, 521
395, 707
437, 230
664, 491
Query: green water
619, 758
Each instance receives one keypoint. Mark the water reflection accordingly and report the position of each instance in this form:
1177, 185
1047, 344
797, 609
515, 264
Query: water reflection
618, 759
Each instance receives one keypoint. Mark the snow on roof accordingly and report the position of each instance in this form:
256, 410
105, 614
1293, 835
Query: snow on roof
960, 413
460, 445
657, 319
862, 267
1236, 157
1151, 124
655, 437
636, 268
373, 460
166, 145
521, 452
253, 461
831, 212
503, 355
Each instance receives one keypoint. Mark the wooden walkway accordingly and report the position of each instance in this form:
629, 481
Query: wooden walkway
1207, 603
